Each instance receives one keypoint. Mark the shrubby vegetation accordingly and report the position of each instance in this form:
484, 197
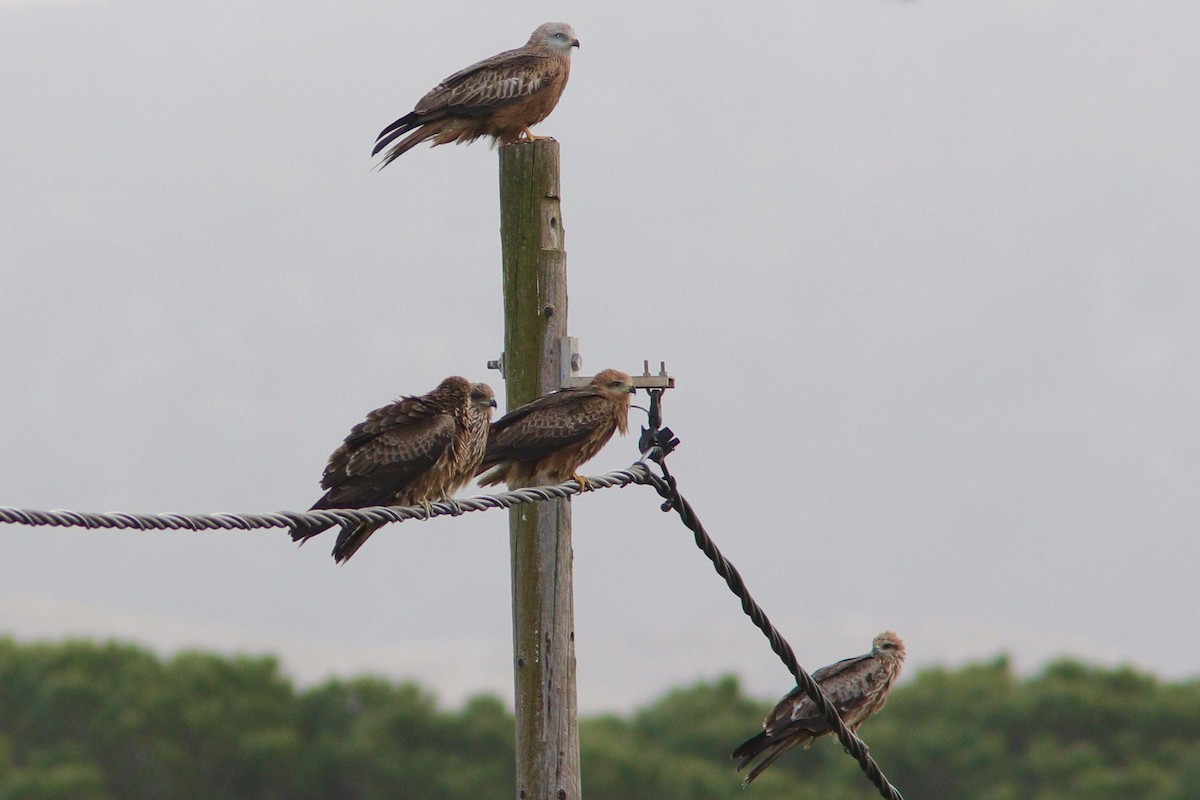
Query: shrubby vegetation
82, 721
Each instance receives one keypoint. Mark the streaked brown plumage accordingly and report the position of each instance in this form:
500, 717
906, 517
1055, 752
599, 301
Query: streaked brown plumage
857, 687
549, 439
502, 96
416, 450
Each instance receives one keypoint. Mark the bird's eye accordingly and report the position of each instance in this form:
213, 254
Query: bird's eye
560, 36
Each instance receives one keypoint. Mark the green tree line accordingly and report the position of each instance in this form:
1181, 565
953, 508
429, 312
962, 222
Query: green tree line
87, 721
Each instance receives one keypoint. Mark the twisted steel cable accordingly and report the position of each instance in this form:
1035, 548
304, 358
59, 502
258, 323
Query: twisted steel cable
856, 747
637, 472
657, 443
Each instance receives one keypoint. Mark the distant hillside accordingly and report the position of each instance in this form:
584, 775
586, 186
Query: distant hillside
85, 721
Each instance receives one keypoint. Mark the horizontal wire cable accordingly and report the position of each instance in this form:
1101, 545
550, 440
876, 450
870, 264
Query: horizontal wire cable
638, 472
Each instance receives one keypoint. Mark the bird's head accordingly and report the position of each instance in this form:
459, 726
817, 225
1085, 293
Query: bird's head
614, 383
888, 645
483, 398
454, 385
555, 36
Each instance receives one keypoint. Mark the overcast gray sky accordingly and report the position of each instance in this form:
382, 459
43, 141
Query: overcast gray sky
926, 274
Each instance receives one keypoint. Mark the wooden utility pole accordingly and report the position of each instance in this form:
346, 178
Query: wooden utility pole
535, 325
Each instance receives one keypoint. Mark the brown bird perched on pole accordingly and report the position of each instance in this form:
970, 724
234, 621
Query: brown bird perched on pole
502, 96
414, 451
857, 687
549, 439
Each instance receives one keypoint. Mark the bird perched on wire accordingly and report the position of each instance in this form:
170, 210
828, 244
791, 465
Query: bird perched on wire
549, 439
414, 451
502, 96
857, 687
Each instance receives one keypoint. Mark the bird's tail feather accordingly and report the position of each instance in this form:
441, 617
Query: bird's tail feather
352, 537
760, 745
396, 129
771, 754
492, 474
421, 134
750, 748
304, 529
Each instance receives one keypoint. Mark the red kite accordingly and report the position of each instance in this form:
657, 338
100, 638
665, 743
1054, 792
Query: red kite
549, 439
857, 687
416, 450
502, 96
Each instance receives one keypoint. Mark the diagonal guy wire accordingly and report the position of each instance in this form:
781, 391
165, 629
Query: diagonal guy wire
638, 472
666, 488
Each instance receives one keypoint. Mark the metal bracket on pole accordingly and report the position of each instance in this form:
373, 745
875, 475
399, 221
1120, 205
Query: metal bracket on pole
571, 362
660, 381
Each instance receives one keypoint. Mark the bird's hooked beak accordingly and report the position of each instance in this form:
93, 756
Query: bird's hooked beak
632, 389
492, 404
574, 43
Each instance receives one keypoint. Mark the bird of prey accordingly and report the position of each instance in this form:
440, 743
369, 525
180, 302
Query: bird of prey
502, 96
549, 439
416, 450
857, 687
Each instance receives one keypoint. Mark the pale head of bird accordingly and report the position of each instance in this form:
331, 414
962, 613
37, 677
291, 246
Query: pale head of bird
483, 398
558, 37
888, 645
614, 383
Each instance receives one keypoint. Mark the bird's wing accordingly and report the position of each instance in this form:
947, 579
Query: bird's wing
546, 425
501, 80
382, 456
403, 412
844, 683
